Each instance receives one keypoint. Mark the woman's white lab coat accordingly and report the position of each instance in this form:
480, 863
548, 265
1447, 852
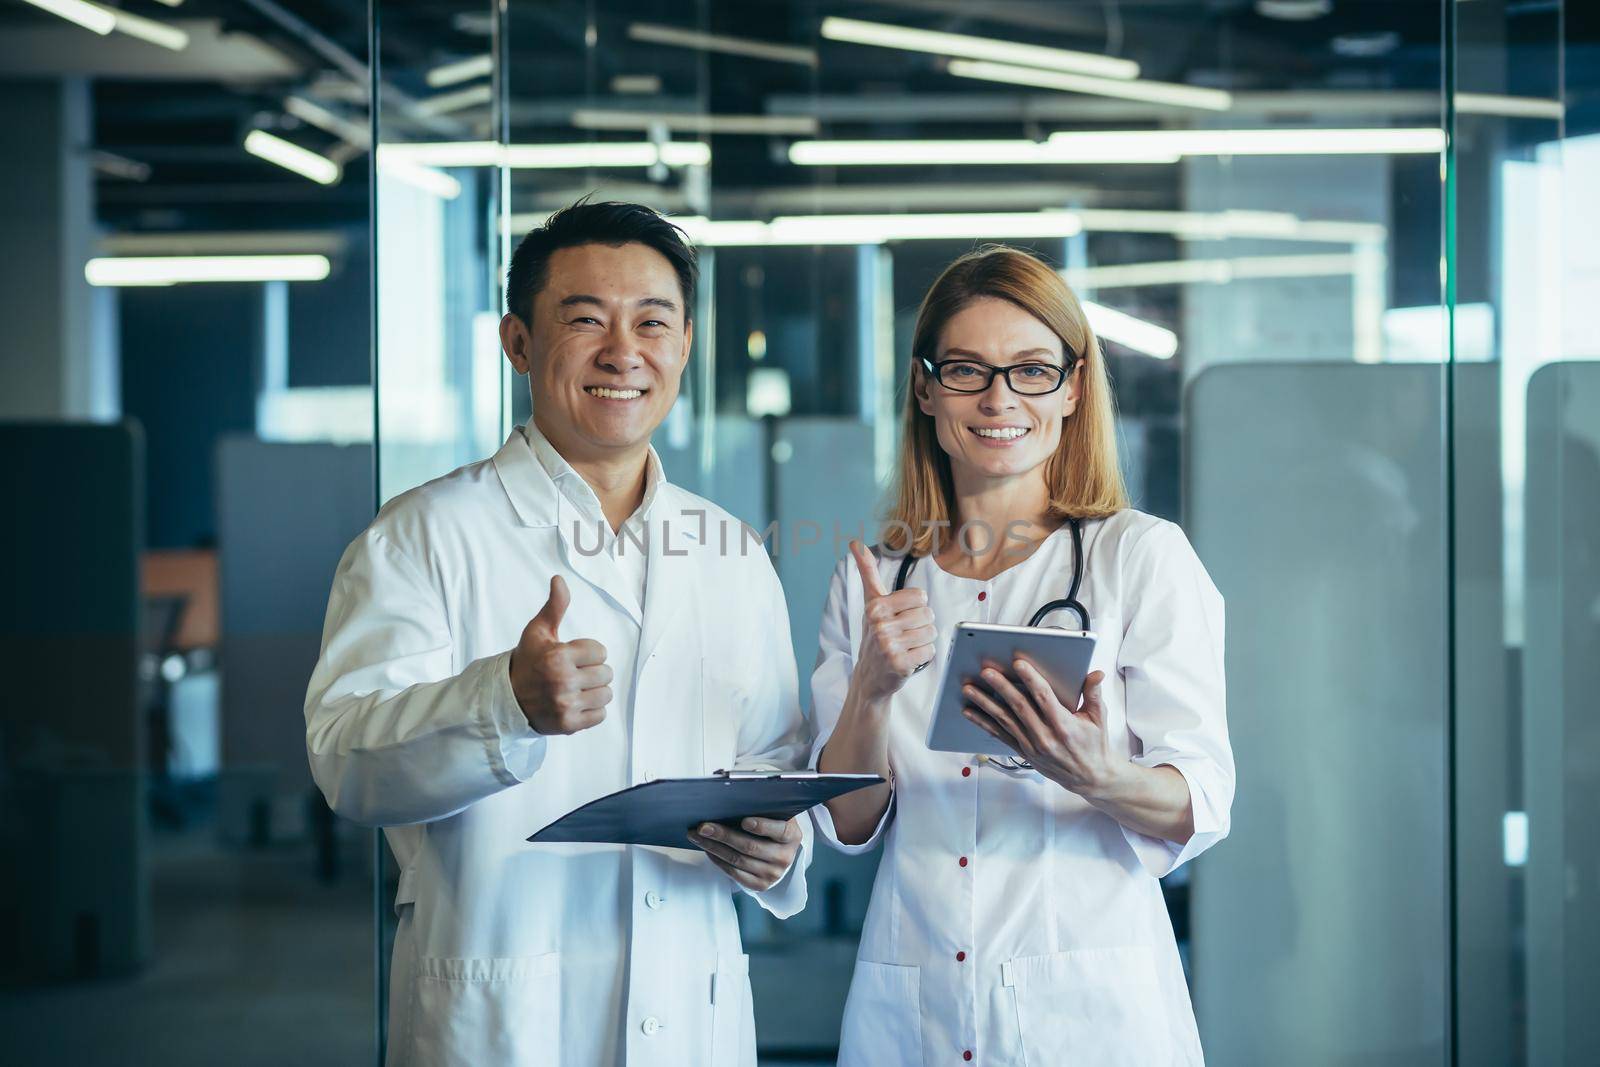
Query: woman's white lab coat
1012, 923
509, 953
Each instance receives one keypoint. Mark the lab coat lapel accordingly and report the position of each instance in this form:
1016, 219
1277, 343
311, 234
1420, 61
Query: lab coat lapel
669, 581
583, 550
538, 501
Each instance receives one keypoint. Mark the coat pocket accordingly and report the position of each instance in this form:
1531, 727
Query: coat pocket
882, 1017
505, 1011
1093, 1006
733, 1024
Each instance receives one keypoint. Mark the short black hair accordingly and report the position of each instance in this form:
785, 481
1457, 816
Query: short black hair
606, 223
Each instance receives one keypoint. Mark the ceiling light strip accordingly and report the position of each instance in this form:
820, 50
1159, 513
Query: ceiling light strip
652, 33
176, 270
1148, 91
884, 35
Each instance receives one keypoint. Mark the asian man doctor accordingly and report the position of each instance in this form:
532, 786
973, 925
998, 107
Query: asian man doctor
499, 650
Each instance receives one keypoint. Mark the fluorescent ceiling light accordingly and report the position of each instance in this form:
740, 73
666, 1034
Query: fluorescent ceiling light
962, 153
313, 113
460, 71
883, 35
878, 229
607, 154
458, 100
176, 270
849, 229
223, 243
89, 16
1135, 333
712, 42
448, 153
171, 3
148, 30
1153, 92
1189, 225
1210, 271
553, 156
636, 83
1518, 107
290, 156
1221, 225
614, 119
115, 166
1267, 142
428, 179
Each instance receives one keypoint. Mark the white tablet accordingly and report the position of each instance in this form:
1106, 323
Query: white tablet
1062, 656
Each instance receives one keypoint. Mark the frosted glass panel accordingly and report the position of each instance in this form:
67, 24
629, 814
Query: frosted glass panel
1562, 717
1315, 500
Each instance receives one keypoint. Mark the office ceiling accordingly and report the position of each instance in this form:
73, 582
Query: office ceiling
170, 125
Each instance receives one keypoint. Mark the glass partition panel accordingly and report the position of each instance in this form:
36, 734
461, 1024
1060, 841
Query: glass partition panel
1321, 245
1524, 280
186, 453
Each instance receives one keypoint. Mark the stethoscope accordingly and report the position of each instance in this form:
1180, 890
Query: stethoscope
1069, 603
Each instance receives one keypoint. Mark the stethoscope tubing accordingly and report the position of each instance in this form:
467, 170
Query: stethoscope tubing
1069, 603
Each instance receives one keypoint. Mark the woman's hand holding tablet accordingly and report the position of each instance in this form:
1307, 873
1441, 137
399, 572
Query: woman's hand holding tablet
974, 712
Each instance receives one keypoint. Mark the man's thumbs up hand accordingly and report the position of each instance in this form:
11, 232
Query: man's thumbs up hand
562, 687
549, 617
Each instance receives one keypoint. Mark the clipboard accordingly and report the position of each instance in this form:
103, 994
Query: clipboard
663, 811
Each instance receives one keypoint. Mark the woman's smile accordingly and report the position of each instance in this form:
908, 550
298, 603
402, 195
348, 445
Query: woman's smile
999, 436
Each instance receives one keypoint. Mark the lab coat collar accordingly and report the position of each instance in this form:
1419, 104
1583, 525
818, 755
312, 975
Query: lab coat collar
535, 478
532, 492
677, 522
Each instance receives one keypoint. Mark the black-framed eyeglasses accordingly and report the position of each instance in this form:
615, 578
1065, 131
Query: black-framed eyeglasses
1025, 379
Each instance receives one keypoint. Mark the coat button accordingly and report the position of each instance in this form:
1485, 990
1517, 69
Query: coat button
650, 1025
966, 772
967, 1055
962, 861
982, 595
961, 957
652, 900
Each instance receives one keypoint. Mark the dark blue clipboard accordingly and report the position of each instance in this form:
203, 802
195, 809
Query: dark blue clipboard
662, 812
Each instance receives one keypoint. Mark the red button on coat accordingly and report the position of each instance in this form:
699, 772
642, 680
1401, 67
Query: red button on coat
962, 861
983, 595
961, 957
966, 772
967, 1055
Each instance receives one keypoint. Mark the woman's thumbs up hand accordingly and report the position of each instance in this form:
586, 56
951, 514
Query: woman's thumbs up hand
899, 635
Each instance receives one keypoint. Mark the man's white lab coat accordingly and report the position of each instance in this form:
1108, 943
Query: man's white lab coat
509, 953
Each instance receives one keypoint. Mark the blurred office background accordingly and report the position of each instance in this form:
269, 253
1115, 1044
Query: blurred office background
1343, 258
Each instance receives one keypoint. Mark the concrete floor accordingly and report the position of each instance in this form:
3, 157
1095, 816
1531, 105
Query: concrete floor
254, 962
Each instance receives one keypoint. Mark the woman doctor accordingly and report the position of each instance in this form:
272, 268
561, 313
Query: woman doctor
1016, 917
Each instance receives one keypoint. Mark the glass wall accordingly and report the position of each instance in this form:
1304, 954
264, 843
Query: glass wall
1331, 252
187, 451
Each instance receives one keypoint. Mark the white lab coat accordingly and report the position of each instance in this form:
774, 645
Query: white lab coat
1010, 922
509, 953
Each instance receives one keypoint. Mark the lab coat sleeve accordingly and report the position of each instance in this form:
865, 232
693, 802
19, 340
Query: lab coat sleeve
1171, 661
775, 736
830, 681
394, 733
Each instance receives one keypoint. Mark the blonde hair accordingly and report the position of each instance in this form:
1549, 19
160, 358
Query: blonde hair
1084, 476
